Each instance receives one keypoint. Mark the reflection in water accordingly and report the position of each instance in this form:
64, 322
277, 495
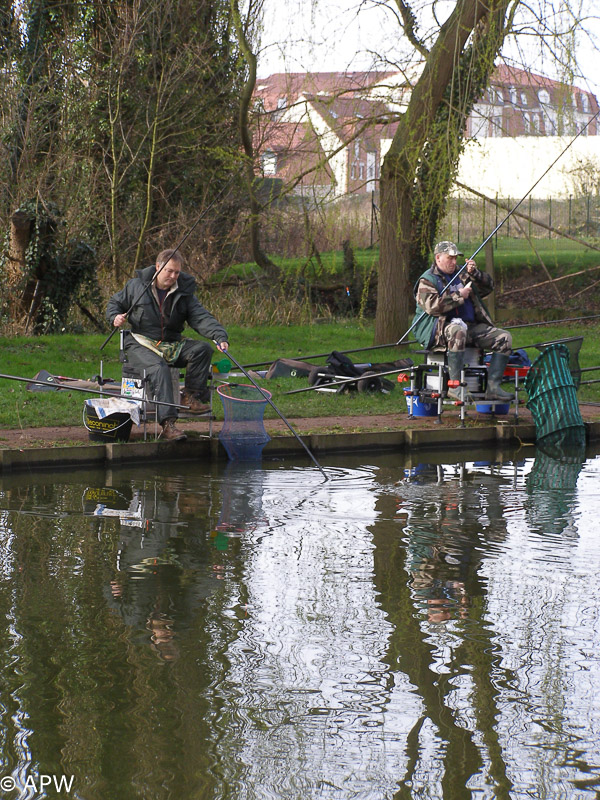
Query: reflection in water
401, 631
150, 587
551, 486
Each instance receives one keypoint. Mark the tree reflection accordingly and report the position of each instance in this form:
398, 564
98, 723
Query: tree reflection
109, 629
450, 517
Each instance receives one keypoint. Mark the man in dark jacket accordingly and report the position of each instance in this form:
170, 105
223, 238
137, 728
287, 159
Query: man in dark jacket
455, 317
155, 343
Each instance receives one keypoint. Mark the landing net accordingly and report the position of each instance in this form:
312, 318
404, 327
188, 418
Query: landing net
573, 346
553, 399
243, 434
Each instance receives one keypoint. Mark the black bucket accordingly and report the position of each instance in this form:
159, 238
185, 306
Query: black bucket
112, 428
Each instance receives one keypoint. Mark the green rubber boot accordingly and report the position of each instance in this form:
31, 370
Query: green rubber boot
455, 359
496, 369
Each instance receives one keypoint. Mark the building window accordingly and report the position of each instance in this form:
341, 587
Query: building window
268, 162
281, 107
496, 126
371, 170
524, 98
549, 124
585, 103
356, 148
513, 95
496, 96
532, 122
361, 171
353, 172
544, 97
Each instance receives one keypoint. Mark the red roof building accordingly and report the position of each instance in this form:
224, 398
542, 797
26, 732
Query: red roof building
326, 133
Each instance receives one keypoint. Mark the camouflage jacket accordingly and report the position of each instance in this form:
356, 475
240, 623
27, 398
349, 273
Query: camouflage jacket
435, 310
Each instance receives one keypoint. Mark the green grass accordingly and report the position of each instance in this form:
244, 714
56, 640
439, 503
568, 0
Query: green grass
511, 256
79, 357
331, 263
560, 256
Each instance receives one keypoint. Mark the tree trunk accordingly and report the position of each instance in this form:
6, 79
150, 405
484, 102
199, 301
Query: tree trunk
394, 295
260, 257
406, 157
20, 232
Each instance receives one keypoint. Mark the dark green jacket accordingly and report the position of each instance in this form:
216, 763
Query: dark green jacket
180, 308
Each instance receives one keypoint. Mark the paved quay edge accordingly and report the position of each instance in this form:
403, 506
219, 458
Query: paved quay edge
210, 449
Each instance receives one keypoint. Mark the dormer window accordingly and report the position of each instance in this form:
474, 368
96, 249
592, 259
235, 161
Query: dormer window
544, 97
585, 103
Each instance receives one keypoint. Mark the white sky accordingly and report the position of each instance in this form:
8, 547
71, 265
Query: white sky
324, 35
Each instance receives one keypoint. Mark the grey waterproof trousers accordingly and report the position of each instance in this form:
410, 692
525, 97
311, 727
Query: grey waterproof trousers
195, 357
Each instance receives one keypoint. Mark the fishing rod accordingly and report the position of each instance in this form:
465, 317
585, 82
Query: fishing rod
414, 341
80, 389
343, 381
549, 322
500, 224
176, 249
554, 341
272, 404
323, 355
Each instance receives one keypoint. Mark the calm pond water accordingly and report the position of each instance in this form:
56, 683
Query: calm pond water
403, 630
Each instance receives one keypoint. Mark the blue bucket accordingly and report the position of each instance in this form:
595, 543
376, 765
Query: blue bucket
420, 408
492, 408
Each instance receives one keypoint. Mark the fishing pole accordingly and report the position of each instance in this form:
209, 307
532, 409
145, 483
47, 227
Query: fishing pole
500, 224
550, 322
176, 249
343, 381
80, 389
323, 355
554, 341
414, 341
272, 404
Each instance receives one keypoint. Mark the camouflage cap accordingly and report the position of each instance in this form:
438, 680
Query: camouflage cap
447, 247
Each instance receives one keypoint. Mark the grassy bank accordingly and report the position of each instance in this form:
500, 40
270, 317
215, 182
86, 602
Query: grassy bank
79, 357
511, 257
327, 288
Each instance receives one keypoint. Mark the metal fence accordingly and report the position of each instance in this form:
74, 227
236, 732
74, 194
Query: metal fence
474, 219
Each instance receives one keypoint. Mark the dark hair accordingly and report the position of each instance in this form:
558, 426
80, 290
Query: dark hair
169, 255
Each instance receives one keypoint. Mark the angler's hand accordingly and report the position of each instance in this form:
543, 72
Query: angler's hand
222, 346
119, 320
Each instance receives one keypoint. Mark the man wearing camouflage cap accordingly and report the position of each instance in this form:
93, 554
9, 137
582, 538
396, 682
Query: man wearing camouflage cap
452, 318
